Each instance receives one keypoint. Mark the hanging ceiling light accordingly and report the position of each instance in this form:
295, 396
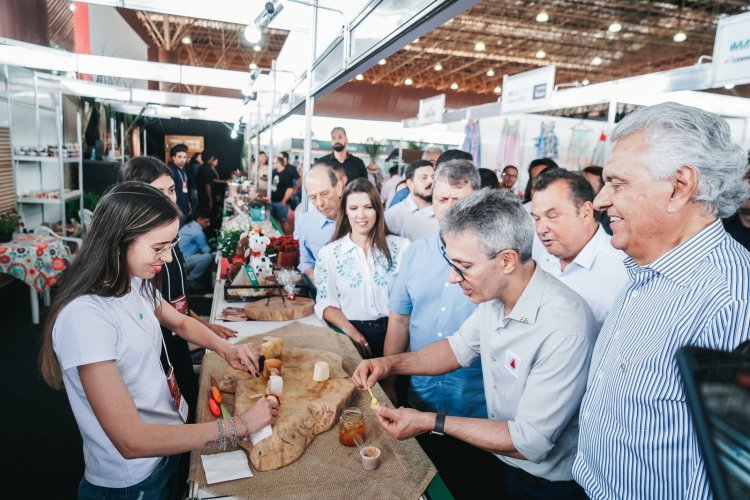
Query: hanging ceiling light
408, 81
729, 86
186, 40
490, 72
252, 33
72, 7
680, 36
479, 46
615, 27
253, 66
359, 78
542, 17
498, 89
454, 86
257, 48
597, 61
382, 62
585, 82
438, 67
540, 54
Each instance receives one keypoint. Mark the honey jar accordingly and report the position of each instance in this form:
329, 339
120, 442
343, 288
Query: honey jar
351, 424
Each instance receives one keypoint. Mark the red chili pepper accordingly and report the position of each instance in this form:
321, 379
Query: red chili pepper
214, 407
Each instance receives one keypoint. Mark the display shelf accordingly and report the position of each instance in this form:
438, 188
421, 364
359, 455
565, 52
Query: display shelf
46, 159
71, 195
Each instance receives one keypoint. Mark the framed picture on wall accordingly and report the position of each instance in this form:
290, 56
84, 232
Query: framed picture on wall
194, 144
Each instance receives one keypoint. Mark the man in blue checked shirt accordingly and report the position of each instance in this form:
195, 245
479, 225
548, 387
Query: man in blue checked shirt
673, 174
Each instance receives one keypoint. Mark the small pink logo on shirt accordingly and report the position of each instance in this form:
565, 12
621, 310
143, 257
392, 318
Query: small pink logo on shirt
512, 363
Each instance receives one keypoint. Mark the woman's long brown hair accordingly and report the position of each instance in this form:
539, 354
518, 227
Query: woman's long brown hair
128, 210
379, 231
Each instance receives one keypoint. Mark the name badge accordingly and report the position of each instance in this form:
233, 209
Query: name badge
180, 304
184, 187
179, 402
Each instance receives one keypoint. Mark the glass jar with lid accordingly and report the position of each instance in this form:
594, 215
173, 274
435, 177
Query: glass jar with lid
351, 424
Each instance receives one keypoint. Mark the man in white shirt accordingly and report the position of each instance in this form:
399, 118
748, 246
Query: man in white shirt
414, 218
534, 336
576, 249
388, 189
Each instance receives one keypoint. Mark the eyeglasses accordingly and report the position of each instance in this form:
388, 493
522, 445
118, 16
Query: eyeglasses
458, 270
158, 254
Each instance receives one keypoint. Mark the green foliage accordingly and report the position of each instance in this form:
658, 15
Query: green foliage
91, 200
373, 149
226, 242
415, 144
8, 221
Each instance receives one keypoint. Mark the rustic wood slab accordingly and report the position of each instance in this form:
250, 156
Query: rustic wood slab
275, 310
308, 408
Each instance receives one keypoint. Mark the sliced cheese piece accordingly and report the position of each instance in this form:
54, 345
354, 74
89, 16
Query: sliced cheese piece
275, 385
321, 372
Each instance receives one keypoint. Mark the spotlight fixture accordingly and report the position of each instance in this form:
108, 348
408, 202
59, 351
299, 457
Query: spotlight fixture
479, 46
454, 86
729, 86
247, 91
253, 66
542, 17
498, 89
490, 72
257, 48
597, 61
186, 40
585, 82
408, 81
382, 62
438, 67
615, 27
359, 78
680, 36
540, 54
254, 31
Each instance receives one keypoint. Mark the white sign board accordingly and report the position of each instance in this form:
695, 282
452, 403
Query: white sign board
731, 58
528, 91
431, 109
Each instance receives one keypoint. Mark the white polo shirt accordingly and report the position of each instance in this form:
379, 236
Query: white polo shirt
597, 273
408, 220
535, 362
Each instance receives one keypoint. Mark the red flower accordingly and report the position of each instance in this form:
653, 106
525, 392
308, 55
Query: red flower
58, 264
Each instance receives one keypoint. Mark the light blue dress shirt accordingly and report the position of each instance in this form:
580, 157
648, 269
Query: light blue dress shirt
313, 231
437, 309
636, 436
193, 240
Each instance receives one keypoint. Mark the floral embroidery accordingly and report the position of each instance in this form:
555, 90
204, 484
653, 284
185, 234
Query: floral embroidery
321, 280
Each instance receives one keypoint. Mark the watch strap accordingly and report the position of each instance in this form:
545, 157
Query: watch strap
439, 424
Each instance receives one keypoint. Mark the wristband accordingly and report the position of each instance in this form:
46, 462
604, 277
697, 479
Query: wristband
439, 424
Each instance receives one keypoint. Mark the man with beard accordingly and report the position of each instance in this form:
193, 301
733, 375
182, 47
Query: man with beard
414, 217
354, 167
178, 158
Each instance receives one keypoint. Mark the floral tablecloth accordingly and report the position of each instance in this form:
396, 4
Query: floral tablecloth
35, 259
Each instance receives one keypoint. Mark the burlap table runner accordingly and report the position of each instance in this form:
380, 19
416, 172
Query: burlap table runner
327, 470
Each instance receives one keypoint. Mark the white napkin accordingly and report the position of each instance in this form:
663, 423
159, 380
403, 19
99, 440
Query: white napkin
226, 466
262, 434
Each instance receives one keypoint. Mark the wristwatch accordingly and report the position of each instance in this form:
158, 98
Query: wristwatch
439, 424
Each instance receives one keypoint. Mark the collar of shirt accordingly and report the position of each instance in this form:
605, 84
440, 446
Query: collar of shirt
347, 245
320, 219
527, 306
680, 263
412, 206
589, 252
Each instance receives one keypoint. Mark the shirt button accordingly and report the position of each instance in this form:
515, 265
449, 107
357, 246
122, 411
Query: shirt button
447, 284
580, 455
442, 309
635, 294
617, 333
492, 415
440, 334
600, 374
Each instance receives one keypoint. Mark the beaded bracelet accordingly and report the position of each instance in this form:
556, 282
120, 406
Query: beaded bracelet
222, 437
233, 430
247, 428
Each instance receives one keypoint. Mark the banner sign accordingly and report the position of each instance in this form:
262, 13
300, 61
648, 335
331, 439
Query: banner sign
431, 109
528, 91
731, 58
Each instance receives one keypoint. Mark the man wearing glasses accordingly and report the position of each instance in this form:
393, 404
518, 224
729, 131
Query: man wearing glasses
534, 336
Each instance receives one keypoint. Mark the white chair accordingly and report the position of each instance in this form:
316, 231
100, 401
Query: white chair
86, 216
70, 254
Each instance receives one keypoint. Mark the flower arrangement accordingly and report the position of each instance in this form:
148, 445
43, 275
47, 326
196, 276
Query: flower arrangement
284, 243
226, 242
259, 201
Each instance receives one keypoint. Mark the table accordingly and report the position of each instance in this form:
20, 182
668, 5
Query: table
37, 260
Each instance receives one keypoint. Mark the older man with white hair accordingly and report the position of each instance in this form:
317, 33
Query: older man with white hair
672, 175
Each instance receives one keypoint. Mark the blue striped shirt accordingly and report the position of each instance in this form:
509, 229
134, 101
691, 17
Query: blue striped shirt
636, 437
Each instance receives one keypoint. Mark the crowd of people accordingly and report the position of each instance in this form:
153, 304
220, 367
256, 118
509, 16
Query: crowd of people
528, 336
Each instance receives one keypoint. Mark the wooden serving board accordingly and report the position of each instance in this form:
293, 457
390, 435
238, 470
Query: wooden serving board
275, 310
307, 409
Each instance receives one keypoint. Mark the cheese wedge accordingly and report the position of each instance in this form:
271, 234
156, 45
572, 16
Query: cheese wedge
275, 385
321, 372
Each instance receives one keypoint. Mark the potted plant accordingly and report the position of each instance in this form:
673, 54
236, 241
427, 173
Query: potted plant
8, 225
286, 249
258, 207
